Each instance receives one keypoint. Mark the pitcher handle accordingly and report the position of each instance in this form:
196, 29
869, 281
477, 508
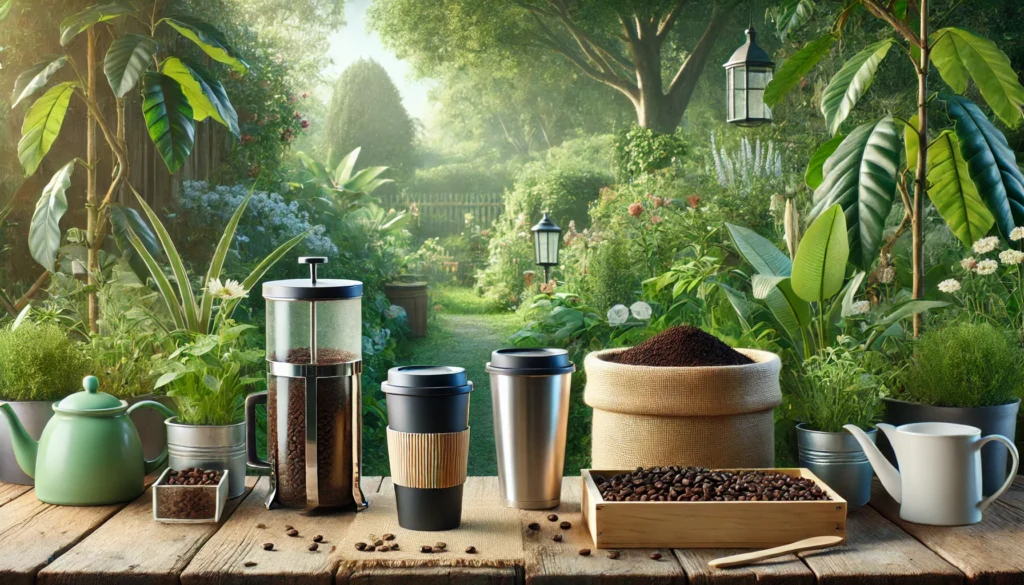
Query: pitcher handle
152, 465
253, 458
1013, 473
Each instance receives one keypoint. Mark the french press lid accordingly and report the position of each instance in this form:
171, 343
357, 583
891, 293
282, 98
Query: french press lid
313, 288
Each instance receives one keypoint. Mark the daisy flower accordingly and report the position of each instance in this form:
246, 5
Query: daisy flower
227, 290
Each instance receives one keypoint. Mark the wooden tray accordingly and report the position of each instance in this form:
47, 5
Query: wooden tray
709, 524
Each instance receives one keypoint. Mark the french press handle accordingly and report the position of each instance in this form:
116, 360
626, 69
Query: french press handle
313, 261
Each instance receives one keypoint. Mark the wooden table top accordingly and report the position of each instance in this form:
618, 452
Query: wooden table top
121, 545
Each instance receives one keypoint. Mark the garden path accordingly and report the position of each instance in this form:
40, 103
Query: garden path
467, 340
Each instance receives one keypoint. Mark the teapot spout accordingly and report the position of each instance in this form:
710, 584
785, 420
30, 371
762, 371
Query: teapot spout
25, 447
885, 471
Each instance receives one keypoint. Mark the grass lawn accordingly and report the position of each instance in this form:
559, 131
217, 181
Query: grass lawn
467, 340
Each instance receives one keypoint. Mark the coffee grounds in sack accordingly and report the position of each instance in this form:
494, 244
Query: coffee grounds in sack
683, 346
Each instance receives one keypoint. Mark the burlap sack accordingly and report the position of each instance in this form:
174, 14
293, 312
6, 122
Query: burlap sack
720, 417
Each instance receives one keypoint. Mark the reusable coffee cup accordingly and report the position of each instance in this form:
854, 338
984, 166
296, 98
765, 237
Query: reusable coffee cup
530, 402
428, 443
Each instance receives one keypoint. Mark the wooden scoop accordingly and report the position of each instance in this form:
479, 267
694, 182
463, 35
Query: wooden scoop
816, 543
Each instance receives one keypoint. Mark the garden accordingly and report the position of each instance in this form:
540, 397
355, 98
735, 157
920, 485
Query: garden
287, 249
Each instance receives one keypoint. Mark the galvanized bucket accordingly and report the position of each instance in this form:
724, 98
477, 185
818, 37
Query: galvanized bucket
209, 447
33, 416
838, 460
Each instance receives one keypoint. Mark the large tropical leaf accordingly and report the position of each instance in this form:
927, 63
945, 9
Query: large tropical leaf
163, 285
208, 38
820, 265
958, 53
219, 256
204, 92
42, 125
990, 162
364, 178
77, 23
34, 78
315, 168
814, 174
861, 177
123, 221
911, 141
792, 312
759, 252
5, 8
796, 67
44, 230
954, 193
850, 83
791, 15
745, 309
128, 57
168, 118
343, 172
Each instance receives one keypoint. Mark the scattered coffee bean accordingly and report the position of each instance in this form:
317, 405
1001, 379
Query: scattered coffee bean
313, 547
613, 554
360, 546
318, 538
470, 550
383, 548
426, 548
699, 484
388, 536
557, 538
261, 525
378, 542
288, 527
534, 526
441, 545
250, 563
553, 517
584, 552
292, 532
268, 546
655, 556
565, 525
394, 546
437, 549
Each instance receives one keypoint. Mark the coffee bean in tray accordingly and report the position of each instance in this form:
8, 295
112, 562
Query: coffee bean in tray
190, 494
699, 484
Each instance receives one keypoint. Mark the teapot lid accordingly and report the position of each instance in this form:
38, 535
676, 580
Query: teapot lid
89, 399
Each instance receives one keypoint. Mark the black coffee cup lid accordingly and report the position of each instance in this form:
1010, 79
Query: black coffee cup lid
427, 381
530, 362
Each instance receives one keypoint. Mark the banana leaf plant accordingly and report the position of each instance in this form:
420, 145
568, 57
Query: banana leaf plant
811, 296
968, 171
176, 94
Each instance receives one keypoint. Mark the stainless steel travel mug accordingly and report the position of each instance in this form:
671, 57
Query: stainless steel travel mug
530, 400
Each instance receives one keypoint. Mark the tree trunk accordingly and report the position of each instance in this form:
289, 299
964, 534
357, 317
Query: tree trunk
920, 180
92, 221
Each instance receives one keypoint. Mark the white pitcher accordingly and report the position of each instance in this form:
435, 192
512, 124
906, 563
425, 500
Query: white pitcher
939, 481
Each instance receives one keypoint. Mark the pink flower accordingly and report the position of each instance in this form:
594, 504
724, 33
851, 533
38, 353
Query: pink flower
693, 200
656, 219
635, 209
658, 202
548, 287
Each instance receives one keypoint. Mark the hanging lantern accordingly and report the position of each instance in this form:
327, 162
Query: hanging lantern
747, 73
546, 238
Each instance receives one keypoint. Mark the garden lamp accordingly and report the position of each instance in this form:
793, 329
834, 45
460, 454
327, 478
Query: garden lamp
546, 238
747, 74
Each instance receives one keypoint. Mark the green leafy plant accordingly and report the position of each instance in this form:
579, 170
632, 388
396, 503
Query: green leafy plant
965, 365
39, 362
836, 390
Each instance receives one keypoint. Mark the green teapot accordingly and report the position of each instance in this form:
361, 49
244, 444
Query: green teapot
89, 453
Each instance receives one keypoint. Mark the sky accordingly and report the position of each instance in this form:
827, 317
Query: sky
355, 41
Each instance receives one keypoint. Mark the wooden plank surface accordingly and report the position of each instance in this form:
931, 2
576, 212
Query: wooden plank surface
549, 562
991, 551
10, 491
222, 559
32, 534
878, 551
132, 549
788, 570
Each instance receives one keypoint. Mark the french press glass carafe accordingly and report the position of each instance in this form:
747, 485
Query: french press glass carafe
314, 392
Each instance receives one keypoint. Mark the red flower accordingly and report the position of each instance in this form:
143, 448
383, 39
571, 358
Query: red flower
656, 219
304, 124
635, 209
247, 138
657, 201
693, 200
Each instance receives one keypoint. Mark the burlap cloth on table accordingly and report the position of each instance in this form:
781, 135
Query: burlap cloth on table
494, 530
721, 417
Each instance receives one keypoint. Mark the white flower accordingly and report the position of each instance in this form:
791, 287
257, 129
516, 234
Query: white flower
640, 310
885, 274
617, 315
986, 267
1011, 257
1017, 234
986, 245
229, 289
860, 307
969, 264
949, 286
395, 312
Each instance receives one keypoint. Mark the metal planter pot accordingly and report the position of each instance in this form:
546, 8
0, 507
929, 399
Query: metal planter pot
992, 420
839, 461
150, 424
33, 416
209, 447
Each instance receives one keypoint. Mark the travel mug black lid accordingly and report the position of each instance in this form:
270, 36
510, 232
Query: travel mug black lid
530, 362
427, 381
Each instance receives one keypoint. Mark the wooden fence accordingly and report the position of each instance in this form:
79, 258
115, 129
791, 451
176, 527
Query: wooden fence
442, 214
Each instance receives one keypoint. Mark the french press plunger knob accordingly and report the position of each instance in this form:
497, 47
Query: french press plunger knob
312, 261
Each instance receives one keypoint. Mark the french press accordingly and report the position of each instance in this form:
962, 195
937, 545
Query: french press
314, 393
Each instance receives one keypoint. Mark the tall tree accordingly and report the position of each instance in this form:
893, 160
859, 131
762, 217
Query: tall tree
366, 112
628, 45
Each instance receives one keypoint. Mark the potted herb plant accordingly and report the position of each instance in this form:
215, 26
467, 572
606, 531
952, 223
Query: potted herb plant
836, 390
966, 373
39, 365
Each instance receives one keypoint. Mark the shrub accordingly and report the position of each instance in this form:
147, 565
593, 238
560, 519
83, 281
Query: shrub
461, 178
639, 151
965, 365
39, 362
